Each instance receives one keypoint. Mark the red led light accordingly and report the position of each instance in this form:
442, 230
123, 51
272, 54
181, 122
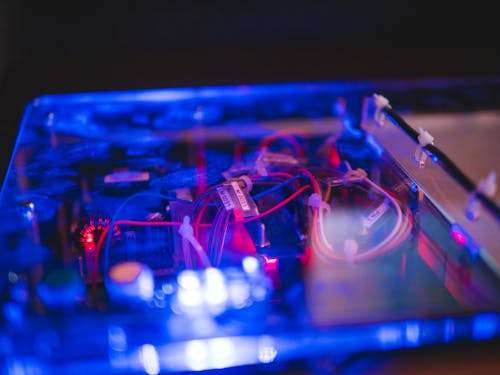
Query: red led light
268, 260
89, 237
459, 237
270, 264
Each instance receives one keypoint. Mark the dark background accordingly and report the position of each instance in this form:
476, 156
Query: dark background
71, 46
55, 46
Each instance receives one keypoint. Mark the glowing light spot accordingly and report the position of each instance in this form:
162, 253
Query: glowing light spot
267, 350
389, 336
188, 279
167, 288
150, 360
13, 278
190, 297
239, 293
89, 237
146, 284
485, 326
449, 330
117, 338
412, 334
197, 355
250, 265
221, 351
270, 260
458, 236
214, 291
214, 276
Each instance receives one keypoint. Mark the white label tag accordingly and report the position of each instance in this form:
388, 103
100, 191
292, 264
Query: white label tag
369, 220
240, 195
226, 198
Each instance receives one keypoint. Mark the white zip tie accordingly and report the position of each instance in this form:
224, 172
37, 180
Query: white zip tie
424, 139
315, 201
380, 102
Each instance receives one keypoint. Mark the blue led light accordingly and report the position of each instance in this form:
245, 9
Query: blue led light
449, 330
485, 326
375, 145
412, 333
389, 336
117, 338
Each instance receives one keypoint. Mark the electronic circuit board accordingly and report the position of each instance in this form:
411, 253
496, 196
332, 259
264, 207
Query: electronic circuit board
198, 229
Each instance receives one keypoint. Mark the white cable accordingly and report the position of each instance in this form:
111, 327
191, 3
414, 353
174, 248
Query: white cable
316, 202
395, 233
395, 230
187, 233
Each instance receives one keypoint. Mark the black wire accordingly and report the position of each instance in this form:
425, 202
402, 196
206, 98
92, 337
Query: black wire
448, 165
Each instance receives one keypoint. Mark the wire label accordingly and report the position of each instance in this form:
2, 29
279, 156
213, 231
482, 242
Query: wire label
226, 198
369, 220
240, 195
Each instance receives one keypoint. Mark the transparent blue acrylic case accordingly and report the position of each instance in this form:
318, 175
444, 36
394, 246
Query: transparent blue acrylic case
238, 227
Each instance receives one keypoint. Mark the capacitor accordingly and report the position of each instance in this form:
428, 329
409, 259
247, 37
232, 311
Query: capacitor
61, 288
130, 281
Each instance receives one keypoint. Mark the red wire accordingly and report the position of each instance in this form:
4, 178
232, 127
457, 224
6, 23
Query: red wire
313, 180
291, 140
238, 151
198, 220
174, 223
279, 205
149, 223
280, 174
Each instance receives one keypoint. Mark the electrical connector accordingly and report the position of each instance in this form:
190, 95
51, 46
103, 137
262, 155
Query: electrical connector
424, 139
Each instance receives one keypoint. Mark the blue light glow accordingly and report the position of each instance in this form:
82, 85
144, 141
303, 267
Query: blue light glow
239, 293
197, 355
449, 330
375, 146
150, 359
412, 334
146, 284
189, 298
117, 338
389, 336
485, 326
221, 352
188, 279
267, 350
